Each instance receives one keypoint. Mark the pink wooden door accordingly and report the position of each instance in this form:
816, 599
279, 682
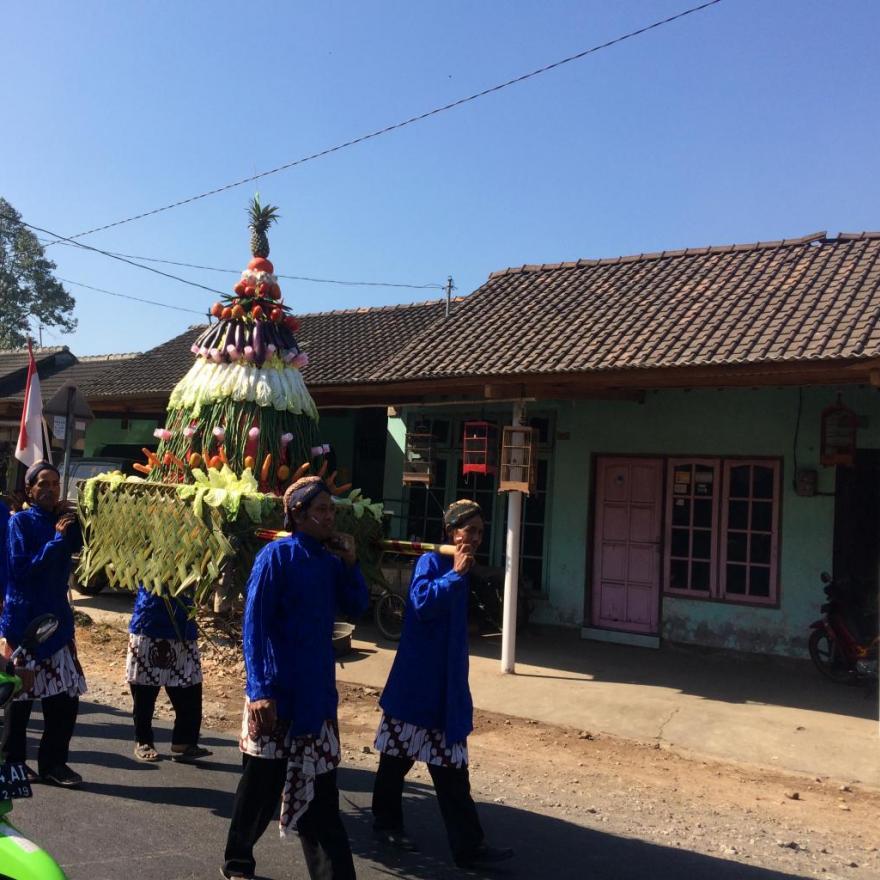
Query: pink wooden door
626, 548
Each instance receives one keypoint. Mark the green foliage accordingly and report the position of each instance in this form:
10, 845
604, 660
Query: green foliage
27, 289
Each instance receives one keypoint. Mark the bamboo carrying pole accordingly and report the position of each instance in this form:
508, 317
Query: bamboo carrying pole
411, 548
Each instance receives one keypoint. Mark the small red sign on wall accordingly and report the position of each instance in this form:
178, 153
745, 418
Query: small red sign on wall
838, 435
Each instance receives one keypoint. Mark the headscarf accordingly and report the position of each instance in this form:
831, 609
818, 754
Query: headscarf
34, 471
459, 512
299, 495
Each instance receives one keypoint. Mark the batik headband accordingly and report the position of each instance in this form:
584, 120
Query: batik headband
460, 512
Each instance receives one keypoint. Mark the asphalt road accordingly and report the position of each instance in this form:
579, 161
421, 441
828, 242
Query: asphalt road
165, 821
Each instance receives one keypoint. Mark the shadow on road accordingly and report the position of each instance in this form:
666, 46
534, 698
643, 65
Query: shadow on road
184, 810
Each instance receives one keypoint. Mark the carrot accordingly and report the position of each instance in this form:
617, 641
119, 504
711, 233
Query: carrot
141, 468
343, 488
222, 453
264, 470
152, 458
301, 471
323, 468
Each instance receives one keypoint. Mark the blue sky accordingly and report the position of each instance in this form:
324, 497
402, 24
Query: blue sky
751, 120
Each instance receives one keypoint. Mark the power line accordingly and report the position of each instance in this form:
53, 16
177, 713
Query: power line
88, 247
410, 121
429, 286
151, 302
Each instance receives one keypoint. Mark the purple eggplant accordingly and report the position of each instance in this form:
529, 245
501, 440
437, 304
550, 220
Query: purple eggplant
230, 338
259, 344
239, 336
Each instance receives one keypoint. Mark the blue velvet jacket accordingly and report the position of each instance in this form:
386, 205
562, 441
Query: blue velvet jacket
39, 567
428, 683
4, 527
152, 618
292, 598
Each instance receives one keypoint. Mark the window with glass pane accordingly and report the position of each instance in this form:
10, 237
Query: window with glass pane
749, 516
424, 520
691, 526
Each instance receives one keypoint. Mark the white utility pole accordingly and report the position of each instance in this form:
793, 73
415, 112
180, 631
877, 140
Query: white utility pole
511, 567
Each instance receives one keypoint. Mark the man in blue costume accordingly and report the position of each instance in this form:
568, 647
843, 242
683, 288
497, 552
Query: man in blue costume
290, 734
163, 652
41, 541
427, 707
4, 526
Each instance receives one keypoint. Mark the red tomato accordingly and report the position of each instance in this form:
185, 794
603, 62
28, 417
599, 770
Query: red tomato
260, 264
257, 312
217, 310
239, 288
276, 315
249, 290
292, 323
237, 311
226, 314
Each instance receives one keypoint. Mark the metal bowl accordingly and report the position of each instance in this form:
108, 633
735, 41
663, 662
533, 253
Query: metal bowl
342, 638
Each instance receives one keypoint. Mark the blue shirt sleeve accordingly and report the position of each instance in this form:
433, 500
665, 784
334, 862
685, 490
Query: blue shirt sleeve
262, 594
431, 589
30, 556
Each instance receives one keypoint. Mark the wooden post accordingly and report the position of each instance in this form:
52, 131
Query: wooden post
511, 569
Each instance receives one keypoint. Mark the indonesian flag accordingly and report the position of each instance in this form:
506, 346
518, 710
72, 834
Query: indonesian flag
29, 448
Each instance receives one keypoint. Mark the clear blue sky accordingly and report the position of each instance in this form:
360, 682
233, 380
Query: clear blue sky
752, 120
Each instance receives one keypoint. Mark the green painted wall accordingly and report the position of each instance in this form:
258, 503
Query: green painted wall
710, 423
109, 432
394, 448
715, 423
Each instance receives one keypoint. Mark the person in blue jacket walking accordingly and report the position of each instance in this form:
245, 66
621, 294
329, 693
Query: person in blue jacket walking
426, 703
163, 652
40, 544
4, 528
290, 732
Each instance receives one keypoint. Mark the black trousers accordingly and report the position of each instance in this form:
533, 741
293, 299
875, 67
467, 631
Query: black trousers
187, 705
59, 719
453, 787
321, 832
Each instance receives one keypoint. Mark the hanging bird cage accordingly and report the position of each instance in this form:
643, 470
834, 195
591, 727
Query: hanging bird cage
479, 448
838, 435
518, 459
418, 464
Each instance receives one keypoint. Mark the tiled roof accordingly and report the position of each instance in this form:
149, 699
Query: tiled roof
13, 360
808, 299
87, 370
785, 302
345, 346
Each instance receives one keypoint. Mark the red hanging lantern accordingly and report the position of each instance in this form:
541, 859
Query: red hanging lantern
479, 448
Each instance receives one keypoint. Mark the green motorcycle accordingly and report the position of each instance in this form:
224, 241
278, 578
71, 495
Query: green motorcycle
20, 858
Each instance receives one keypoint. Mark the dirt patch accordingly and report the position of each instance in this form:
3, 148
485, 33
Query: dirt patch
805, 826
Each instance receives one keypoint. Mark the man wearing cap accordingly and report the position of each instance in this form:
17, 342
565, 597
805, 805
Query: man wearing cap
427, 707
41, 541
290, 734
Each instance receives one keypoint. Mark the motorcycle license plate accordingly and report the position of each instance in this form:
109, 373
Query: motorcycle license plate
13, 781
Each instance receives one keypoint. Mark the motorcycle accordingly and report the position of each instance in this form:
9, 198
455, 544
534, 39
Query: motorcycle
838, 645
20, 858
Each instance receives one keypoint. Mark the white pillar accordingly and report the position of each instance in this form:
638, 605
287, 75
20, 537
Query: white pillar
511, 569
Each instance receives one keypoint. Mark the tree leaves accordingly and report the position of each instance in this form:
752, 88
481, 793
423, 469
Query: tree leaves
28, 290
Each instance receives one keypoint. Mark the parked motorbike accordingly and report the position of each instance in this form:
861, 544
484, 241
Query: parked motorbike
844, 643
20, 858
